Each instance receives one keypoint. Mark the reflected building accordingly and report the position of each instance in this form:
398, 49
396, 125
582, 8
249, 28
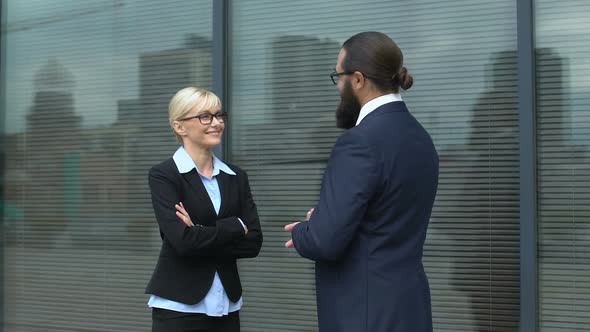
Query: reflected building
302, 108
149, 139
52, 148
563, 175
490, 193
299, 84
13, 182
486, 195
161, 75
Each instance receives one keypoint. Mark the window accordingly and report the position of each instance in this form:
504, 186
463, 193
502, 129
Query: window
563, 174
87, 87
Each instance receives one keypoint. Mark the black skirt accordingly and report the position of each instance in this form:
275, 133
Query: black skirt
171, 321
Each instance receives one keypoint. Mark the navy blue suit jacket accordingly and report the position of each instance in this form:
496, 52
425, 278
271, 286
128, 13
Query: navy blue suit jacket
368, 229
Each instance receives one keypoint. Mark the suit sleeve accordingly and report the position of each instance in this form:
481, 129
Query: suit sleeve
248, 246
348, 185
198, 240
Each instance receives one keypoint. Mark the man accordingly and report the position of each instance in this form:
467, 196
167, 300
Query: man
367, 232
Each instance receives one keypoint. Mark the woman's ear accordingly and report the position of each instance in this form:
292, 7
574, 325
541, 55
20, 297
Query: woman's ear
178, 128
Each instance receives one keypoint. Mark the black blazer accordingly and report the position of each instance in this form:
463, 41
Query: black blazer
190, 256
367, 232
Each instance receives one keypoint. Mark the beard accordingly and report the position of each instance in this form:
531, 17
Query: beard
349, 109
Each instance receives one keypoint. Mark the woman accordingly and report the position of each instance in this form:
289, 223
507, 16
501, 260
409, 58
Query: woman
207, 220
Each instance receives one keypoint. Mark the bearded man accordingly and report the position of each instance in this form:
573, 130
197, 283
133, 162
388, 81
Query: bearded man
367, 232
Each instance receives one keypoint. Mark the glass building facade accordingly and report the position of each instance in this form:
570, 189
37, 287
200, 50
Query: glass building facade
502, 87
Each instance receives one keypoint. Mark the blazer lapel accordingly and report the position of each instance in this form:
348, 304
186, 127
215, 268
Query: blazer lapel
224, 187
194, 180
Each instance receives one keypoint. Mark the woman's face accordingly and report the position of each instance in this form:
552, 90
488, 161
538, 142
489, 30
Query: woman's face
204, 128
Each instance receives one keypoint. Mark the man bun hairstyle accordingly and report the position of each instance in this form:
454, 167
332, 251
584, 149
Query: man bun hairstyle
379, 59
403, 79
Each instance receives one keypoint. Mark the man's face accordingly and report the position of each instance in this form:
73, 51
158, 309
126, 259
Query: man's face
349, 108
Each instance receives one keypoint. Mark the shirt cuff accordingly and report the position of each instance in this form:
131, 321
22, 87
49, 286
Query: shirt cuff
243, 225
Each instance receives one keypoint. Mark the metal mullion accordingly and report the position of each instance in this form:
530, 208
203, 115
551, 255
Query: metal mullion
528, 174
219, 60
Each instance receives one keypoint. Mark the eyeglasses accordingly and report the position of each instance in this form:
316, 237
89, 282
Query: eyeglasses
334, 76
207, 118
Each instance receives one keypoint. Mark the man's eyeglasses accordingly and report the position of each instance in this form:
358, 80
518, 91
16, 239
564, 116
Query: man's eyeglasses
207, 118
334, 76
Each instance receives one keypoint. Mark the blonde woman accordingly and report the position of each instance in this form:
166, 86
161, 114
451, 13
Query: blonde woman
207, 220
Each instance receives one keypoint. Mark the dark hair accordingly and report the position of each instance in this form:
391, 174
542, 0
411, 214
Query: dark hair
379, 58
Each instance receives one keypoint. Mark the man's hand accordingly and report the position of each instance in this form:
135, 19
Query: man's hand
289, 227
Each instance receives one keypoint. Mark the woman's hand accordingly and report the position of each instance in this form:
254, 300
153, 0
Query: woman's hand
183, 215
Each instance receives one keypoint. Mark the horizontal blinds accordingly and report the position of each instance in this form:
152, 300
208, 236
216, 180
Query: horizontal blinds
90, 87
279, 148
463, 58
563, 175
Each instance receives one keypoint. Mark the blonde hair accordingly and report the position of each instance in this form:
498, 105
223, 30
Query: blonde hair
187, 99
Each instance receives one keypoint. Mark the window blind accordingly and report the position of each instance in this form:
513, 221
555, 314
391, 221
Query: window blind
87, 89
563, 174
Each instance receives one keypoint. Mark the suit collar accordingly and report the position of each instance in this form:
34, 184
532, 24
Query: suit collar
185, 163
376, 103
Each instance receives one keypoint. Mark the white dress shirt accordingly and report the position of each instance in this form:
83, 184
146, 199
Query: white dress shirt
377, 102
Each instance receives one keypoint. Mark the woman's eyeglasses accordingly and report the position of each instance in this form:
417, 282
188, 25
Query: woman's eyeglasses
207, 118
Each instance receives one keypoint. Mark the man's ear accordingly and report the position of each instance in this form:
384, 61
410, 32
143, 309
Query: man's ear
358, 80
